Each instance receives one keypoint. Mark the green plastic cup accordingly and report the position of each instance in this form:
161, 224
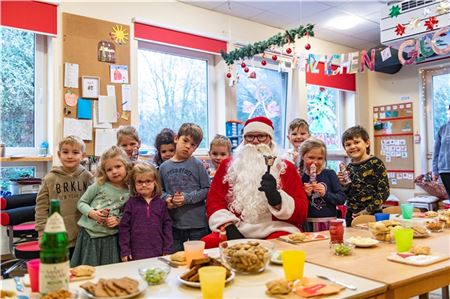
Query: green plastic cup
407, 210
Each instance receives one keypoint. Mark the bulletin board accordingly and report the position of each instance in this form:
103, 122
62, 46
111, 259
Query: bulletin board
83, 45
394, 144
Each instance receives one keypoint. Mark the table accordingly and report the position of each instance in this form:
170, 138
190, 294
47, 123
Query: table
243, 286
403, 281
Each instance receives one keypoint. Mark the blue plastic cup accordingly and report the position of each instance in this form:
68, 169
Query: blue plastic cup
381, 216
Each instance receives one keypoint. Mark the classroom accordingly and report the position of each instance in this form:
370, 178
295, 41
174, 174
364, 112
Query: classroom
366, 80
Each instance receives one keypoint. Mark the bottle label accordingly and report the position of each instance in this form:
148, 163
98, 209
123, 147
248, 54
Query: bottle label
55, 224
53, 277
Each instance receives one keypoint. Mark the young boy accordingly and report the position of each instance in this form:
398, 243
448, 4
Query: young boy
186, 185
66, 183
298, 132
128, 140
369, 186
219, 149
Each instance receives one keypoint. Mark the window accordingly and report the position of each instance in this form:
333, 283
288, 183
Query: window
264, 95
8, 173
174, 87
22, 91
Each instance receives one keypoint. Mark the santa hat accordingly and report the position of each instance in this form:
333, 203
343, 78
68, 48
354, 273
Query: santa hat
259, 124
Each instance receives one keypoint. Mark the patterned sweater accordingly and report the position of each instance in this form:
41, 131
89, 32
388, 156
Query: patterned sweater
369, 188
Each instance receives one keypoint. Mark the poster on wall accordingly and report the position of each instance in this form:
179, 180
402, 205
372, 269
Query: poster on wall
119, 73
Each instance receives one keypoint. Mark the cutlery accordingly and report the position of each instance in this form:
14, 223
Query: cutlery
19, 285
173, 265
348, 286
287, 241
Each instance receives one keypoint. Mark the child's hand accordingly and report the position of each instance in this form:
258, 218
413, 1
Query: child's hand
126, 258
97, 216
341, 178
320, 188
295, 156
169, 202
178, 199
308, 188
112, 222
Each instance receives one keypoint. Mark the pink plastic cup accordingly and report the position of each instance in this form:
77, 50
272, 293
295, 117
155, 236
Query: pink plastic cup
33, 272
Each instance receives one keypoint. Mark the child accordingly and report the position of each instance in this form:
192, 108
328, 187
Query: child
101, 209
369, 186
321, 185
219, 149
128, 140
145, 230
165, 146
298, 132
66, 183
186, 185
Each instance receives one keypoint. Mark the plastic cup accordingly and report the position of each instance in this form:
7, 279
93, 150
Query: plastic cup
33, 271
407, 210
403, 239
193, 250
212, 281
293, 264
381, 216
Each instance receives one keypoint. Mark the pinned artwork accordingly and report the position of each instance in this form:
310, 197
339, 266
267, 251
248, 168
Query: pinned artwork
70, 98
106, 52
91, 86
119, 35
119, 74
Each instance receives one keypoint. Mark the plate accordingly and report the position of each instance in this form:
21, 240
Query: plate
197, 284
307, 237
142, 286
363, 242
276, 258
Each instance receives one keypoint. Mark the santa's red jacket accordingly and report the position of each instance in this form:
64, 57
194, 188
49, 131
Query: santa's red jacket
293, 212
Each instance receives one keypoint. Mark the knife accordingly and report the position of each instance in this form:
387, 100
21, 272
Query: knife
287, 241
173, 265
19, 285
348, 286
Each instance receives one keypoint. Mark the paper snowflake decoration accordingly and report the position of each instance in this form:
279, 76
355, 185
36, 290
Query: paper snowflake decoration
395, 11
414, 23
431, 23
400, 29
426, 11
119, 35
443, 8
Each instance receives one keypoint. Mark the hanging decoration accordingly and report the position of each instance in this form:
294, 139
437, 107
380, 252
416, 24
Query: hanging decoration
263, 63
431, 23
443, 8
426, 11
395, 11
400, 29
307, 46
274, 57
260, 47
119, 35
414, 23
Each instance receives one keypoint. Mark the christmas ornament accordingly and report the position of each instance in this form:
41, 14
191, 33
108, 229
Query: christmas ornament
246, 69
228, 75
252, 75
443, 8
119, 35
394, 11
261, 46
289, 50
400, 29
243, 65
431, 23
274, 57
307, 46
263, 62
414, 23
426, 11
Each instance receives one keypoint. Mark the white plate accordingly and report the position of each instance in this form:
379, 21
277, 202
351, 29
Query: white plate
197, 284
363, 242
142, 286
276, 258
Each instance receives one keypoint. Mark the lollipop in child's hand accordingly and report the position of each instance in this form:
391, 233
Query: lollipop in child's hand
312, 173
345, 173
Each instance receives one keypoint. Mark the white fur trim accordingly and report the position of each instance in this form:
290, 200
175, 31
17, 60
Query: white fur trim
221, 217
287, 207
263, 229
257, 126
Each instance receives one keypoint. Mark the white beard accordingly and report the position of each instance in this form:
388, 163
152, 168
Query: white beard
244, 177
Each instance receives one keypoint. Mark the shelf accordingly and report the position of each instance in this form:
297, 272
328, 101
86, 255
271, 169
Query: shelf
25, 159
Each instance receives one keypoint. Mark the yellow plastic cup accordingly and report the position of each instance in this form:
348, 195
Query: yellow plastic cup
212, 281
193, 250
403, 239
293, 263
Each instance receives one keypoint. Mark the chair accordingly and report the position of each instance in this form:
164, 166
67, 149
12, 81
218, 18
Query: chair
18, 216
363, 219
396, 210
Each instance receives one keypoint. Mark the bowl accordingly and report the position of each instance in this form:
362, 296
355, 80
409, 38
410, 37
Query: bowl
246, 256
342, 249
154, 274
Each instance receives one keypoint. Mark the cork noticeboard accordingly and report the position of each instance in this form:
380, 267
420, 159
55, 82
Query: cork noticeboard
81, 38
394, 142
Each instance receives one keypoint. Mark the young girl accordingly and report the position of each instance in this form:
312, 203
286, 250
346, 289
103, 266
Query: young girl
322, 187
297, 134
145, 230
165, 146
219, 149
101, 209
369, 186
128, 140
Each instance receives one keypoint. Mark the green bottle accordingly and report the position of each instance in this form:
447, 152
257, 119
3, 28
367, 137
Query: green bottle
54, 245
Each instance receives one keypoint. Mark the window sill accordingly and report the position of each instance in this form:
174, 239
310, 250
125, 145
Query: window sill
13, 159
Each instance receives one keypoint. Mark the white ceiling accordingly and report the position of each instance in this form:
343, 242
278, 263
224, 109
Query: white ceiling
291, 14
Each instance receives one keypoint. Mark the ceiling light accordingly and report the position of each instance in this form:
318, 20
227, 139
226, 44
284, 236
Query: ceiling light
344, 22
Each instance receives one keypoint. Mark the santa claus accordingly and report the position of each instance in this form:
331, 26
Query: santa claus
248, 198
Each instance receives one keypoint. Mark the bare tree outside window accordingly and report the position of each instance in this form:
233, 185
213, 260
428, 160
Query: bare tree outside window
441, 100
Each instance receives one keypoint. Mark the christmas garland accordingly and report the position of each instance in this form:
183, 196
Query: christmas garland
259, 47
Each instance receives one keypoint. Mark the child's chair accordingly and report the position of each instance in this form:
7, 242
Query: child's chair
18, 216
363, 219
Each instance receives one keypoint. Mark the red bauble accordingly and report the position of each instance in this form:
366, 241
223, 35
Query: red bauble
246, 69
243, 65
307, 46
289, 50
228, 75
263, 62
274, 57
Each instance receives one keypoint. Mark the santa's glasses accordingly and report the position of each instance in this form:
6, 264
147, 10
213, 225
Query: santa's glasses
261, 138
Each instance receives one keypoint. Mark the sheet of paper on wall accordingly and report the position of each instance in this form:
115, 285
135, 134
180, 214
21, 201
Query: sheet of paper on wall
104, 139
118, 73
110, 90
125, 115
126, 97
71, 75
78, 127
96, 124
84, 109
107, 109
